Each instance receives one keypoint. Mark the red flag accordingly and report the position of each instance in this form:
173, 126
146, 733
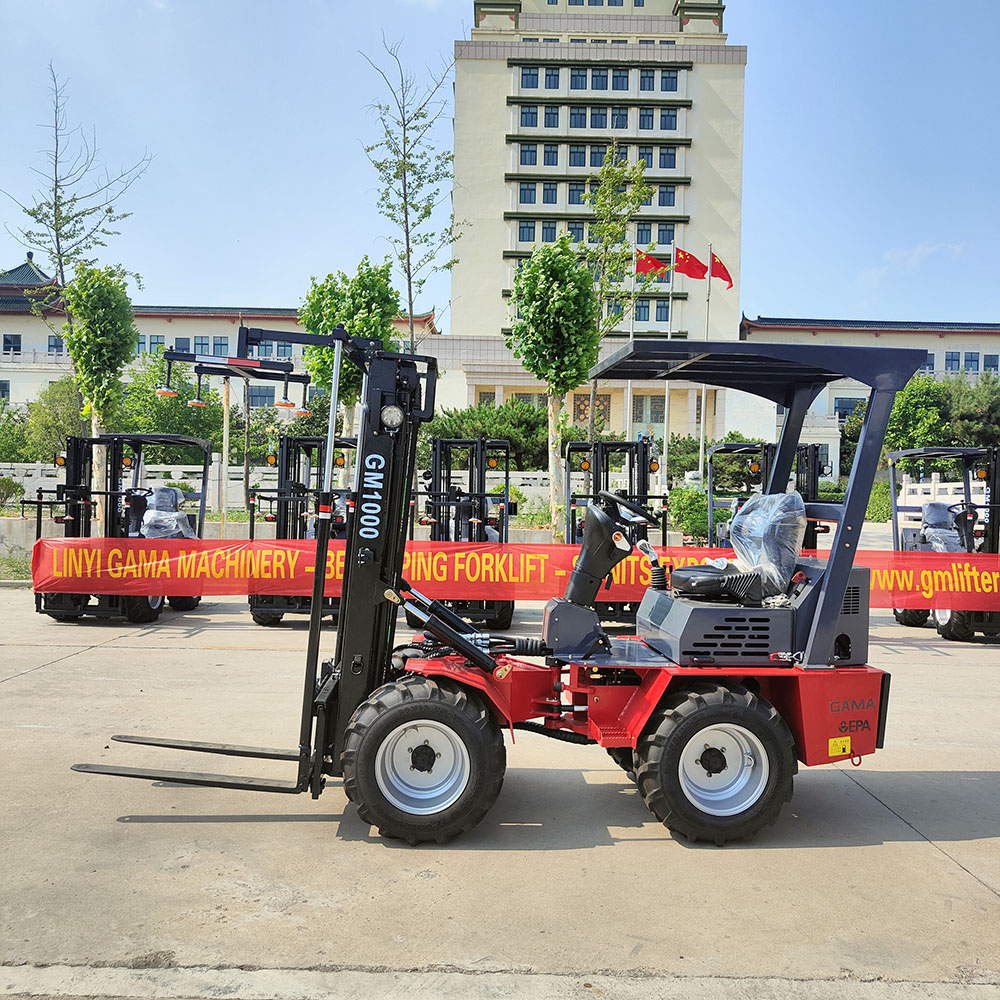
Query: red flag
719, 270
687, 263
647, 264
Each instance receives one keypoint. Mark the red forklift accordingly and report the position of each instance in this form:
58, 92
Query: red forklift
736, 673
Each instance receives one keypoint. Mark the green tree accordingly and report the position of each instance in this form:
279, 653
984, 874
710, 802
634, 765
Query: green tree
53, 417
972, 409
142, 411
366, 305
414, 175
918, 416
14, 445
75, 211
732, 472
850, 434
615, 195
555, 335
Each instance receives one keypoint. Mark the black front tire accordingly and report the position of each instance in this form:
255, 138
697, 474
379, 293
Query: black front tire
412, 620
184, 603
746, 736
142, 610
394, 786
911, 617
502, 617
956, 627
268, 621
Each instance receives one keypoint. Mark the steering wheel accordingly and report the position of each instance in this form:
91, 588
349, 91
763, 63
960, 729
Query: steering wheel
633, 508
138, 491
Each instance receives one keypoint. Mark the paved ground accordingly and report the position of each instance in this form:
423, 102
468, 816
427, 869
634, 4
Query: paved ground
880, 881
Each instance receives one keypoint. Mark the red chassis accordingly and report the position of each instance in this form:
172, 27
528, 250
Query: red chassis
834, 713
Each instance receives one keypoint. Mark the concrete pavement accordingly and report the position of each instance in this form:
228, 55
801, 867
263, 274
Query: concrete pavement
879, 881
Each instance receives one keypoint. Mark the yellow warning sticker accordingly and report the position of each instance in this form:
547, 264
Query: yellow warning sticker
840, 746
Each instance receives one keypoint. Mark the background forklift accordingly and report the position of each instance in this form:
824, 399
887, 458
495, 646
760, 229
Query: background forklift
962, 526
636, 461
737, 672
292, 508
759, 460
458, 507
131, 510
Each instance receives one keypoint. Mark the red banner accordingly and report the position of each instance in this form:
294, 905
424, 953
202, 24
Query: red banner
513, 572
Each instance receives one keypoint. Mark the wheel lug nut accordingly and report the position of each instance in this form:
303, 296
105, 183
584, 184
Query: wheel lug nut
698, 761
437, 755
427, 743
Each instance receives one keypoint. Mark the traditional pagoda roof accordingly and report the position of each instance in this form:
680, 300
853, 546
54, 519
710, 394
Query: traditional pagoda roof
26, 275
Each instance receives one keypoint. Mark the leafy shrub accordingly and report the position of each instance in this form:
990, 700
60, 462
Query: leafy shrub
10, 490
689, 511
879, 503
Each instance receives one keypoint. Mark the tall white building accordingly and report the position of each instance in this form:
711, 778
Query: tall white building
542, 88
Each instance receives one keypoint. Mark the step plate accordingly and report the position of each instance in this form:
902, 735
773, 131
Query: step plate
194, 778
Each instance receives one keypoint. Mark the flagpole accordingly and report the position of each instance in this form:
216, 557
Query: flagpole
631, 338
701, 429
671, 278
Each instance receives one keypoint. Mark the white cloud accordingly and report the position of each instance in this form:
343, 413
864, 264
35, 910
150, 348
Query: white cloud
907, 260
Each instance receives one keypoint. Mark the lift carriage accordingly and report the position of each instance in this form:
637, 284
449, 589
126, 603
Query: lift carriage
737, 673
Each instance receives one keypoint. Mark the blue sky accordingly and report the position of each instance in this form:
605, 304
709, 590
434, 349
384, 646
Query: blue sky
870, 155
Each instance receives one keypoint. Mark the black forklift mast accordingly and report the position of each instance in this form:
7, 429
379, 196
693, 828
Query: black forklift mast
397, 396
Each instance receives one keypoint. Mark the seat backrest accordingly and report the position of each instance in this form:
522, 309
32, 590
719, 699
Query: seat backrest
767, 535
166, 498
937, 515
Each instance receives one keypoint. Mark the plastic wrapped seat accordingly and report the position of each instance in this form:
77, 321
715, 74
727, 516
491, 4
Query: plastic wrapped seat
163, 518
938, 528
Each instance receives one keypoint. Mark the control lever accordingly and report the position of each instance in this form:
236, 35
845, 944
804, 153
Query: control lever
657, 573
648, 551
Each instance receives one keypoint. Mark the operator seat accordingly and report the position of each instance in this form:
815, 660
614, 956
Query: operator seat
767, 534
940, 528
163, 517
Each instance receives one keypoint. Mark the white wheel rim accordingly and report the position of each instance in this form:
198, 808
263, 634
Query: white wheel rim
403, 759
738, 785
155, 602
942, 615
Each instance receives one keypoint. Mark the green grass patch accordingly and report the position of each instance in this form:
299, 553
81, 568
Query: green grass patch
15, 568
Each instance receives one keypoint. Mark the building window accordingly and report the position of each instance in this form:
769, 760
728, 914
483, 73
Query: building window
972, 361
646, 155
648, 409
529, 76
220, 347
668, 119
644, 233
5, 389
591, 234
665, 233
140, 344
578, 41
952, 361
529, 116
577, 156
55, 344
529, 154
576, 194
646, 41
599, 79
182, 344
621, 156
201, 345
647, 79
548, 232
284, 350
578, 78
575, 230
581, 407
638, 3
552, 116
526, 232
615, 309
577, 117
844, 406
619, 79
597, 154
549, 193
12, 343
536, 399
642, 310
529, 39
648, 200
667, 195
668, 79
265, 349
668, 157
551, 77
991, 363
645, 117
261, 395
595, 3
598, 117
487, 398
619, 117
662, 310
551, 156
155, 343
928, 365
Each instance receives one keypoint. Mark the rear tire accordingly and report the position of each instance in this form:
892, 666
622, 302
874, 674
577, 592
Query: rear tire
911, 617
716, 763
625, 758
142, 610
184, 603
423, 759
268, 621
954, 625
76, 602
412, 620
501, 621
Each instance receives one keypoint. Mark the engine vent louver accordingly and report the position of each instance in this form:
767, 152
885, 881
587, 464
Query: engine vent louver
852, 601
734, 636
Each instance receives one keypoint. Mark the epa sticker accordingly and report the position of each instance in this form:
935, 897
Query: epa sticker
840, 746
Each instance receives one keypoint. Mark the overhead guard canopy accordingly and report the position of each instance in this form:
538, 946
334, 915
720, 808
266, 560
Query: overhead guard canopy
774, 371
931, 454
